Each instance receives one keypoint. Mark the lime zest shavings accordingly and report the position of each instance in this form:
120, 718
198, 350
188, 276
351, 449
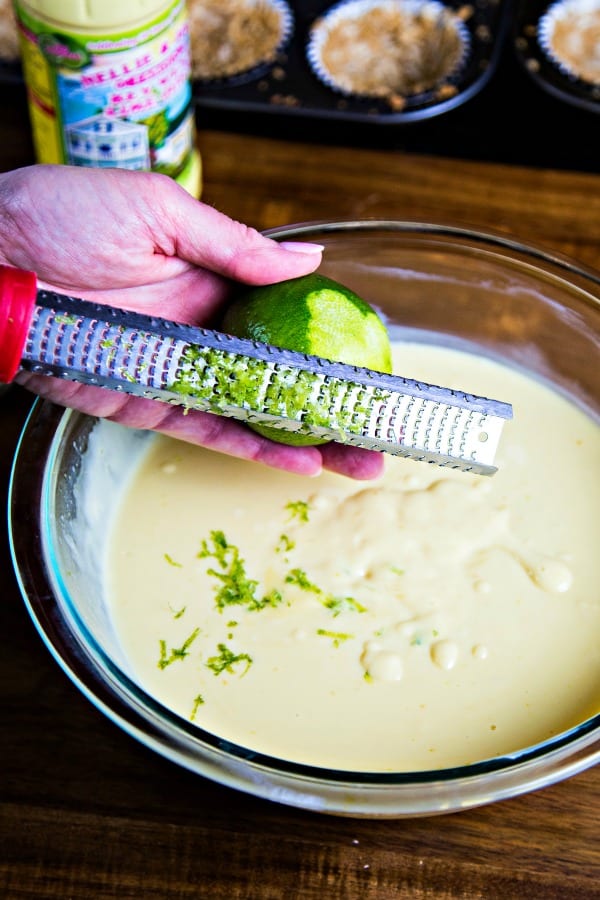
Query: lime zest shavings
65, 319
176, 654
226, 659
197, 703
337, 605
221, 381
298, 509
235, 587
300, 579
284, 544
338, 637
172, 562
343, 604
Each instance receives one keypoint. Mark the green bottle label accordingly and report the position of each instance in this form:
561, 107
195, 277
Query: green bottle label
121, 99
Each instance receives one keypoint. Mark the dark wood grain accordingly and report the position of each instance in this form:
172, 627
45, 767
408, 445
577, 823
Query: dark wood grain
258, 181
86, 812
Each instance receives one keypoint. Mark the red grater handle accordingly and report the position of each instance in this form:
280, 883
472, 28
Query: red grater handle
18, 293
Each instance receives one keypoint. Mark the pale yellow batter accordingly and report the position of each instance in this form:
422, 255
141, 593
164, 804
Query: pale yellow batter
430, 619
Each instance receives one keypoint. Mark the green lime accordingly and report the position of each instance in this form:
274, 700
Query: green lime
316, 315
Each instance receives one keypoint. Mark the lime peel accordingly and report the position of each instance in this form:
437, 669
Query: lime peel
321, 317
298, 402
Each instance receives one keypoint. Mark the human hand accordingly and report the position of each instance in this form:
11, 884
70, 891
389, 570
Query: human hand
138, 241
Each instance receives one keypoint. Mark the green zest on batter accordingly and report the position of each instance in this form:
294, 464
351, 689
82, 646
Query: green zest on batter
336, 636
227, 659
336, 604
235, 586
179, 653
198, 702
299, 578
221, 381
343, 604
172, 562
298, 509
284, 544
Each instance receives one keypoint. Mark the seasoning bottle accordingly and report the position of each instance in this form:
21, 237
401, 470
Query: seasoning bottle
108, 84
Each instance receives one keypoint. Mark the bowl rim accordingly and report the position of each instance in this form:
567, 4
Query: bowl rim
444, 229
376, 794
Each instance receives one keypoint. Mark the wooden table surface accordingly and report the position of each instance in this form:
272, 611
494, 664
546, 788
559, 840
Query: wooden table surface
86, 812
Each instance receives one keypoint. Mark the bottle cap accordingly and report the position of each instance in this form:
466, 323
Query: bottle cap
18, 293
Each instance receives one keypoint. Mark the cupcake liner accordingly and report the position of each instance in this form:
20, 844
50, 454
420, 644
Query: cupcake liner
569, 35
230, 64
423, 71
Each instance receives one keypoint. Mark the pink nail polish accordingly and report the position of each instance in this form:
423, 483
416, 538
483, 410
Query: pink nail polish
302, 247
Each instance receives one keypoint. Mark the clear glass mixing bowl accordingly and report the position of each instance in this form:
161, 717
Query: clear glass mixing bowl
527, 307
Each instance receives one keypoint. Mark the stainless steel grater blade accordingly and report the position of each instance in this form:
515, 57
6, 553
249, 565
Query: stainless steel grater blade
253, 382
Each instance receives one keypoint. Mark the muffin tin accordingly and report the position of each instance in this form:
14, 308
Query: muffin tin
231, 20
290, 85
429, 47
546, 73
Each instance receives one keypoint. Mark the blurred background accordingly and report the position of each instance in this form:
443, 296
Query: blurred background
510, 104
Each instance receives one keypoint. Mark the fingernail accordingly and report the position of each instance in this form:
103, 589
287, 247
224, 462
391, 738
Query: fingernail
302, 247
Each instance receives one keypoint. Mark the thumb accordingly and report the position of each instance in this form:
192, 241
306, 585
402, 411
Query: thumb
205, 237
